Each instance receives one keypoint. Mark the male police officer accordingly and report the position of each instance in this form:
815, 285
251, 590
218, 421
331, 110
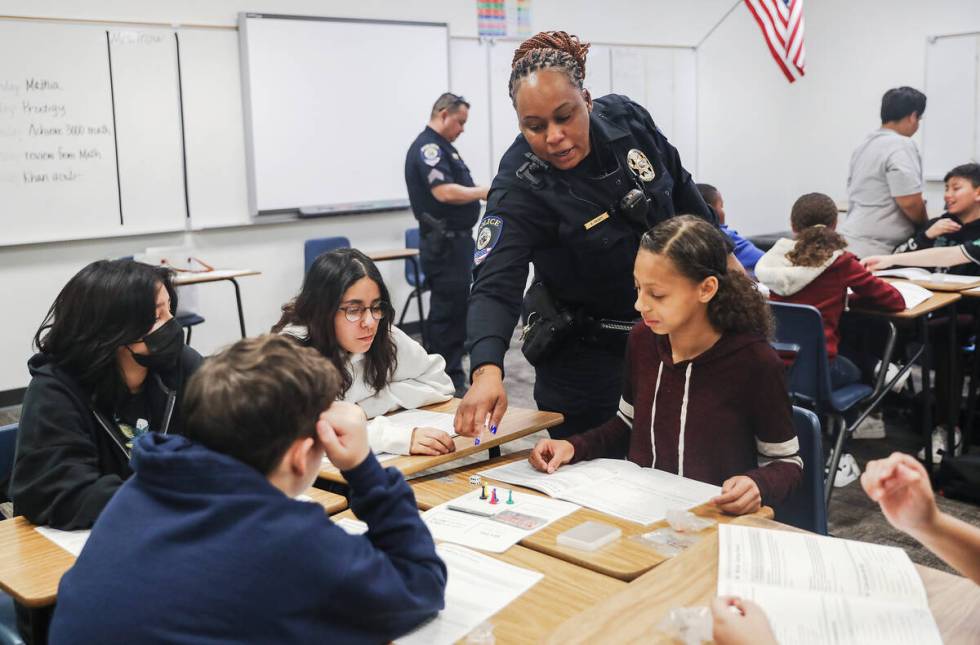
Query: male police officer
447, 204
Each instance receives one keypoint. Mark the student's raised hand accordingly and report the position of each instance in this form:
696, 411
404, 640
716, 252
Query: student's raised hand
877, 262
740, 622
486, 396
901, 487
942, 227
431, 441
739, 495
549, 454
342, 430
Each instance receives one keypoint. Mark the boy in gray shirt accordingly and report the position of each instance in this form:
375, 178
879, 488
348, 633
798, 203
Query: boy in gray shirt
884, 184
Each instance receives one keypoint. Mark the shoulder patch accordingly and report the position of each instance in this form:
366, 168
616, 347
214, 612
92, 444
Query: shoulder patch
491, 226
431, 154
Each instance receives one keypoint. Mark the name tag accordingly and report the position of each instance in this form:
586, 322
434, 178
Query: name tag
599, 219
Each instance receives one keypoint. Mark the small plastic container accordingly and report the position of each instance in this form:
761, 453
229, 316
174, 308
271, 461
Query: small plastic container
589, 536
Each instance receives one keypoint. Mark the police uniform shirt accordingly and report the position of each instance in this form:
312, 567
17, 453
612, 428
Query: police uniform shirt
432, 161
566, 224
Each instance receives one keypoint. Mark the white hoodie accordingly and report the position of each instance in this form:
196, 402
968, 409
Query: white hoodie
781, 276
419, 379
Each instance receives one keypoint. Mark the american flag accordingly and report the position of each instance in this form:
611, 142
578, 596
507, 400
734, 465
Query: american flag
781, 22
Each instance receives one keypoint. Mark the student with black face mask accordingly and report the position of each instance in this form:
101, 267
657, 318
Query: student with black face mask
111, 365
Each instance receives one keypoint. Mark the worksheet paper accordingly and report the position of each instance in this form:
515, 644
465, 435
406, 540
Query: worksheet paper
818, 589
478, 587
613, 486
70, 541
913, 294
423, 419
484, 533
916, 273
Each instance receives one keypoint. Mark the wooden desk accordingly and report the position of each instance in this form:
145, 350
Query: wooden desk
691, 579
919, 317
565, 591
31, 565
412, 255
185, 278
517, 423
624, 559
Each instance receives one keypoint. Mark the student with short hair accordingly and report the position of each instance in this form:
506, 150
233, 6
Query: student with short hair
884, 181
687, 407
953, 239
745, 251
111, 364
206, 543
344, 312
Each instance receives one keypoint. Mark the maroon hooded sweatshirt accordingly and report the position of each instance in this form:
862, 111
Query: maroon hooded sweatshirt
725, 413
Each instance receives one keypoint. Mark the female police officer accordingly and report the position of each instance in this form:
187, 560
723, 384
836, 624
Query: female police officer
573, 195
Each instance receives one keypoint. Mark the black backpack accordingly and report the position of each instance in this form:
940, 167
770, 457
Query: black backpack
959, 477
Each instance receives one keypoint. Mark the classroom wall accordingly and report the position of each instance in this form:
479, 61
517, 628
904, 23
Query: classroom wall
763, 142
31, 276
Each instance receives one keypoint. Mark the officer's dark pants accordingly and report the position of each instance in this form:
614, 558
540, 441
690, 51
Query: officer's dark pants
448, 275
583, 382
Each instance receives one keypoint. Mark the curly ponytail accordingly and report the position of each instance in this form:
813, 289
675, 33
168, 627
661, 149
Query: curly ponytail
813, 218
549, 50
698, 251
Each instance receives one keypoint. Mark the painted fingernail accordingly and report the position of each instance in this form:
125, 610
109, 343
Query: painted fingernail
476, 442
493, 429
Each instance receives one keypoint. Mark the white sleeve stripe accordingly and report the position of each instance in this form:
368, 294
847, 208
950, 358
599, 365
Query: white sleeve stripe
625, 409
625, 419
968, 256
790, 460
783, 449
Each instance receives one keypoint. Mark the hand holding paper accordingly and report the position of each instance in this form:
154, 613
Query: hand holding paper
740, 622
549, 454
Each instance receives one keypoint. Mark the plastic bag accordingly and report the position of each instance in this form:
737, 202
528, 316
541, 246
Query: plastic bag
687, 522
690, 625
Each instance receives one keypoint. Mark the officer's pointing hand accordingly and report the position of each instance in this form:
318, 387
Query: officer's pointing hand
486, 397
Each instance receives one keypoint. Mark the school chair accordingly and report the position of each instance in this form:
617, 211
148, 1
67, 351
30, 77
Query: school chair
809, 380
312, 249
805, 508
8, 616
415, 278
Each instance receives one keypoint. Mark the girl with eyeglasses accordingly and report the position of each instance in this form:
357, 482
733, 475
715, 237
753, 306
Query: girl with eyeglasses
344, 311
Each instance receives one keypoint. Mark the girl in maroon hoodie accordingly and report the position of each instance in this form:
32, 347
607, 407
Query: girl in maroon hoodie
814, 269
704, 393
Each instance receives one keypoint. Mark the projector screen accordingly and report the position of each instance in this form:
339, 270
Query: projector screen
331, 106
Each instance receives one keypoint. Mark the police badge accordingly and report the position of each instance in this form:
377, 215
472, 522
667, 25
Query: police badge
639, 164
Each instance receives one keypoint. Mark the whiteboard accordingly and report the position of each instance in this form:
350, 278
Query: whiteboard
88, 147
468, 64
214, 129
951, 124
332, 105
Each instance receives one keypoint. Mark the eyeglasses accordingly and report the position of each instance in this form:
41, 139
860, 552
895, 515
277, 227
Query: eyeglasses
355, 313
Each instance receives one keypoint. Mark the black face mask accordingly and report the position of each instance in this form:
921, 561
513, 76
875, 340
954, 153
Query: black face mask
165, 345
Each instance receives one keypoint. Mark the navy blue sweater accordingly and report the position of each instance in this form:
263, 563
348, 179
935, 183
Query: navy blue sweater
197, 547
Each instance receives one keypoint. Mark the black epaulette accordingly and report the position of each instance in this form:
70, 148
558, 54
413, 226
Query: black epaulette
531, 170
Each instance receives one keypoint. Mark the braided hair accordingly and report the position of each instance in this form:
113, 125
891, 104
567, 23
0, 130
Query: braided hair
813, 218
556, 50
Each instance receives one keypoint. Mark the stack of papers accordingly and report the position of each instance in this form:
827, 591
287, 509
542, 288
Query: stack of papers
913, 294
70, 541
478, 587
486, 533
613, 486
817, 589
916, 273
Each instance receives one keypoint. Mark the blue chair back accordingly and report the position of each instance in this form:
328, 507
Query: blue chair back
8, 444
412, 237
316, 247
806, 508
802, 325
